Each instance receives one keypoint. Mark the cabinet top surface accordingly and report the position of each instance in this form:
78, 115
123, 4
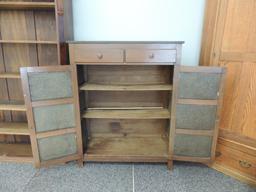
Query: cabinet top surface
125, 42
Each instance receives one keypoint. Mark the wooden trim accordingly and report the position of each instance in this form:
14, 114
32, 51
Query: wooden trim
192, 159
237, 138
16, 159
60, 160
123, 108
173, 114
9, 75
28, 42
128, 158
27, 5
218, 32
197, 102
58, 30
48, 69
118, 63
195, 132
201, 69
77, 112
218, 113
52, 102
55, 133
234, 173
209, 31
30, 118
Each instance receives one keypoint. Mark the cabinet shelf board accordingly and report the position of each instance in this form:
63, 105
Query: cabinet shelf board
11, 128
8, 5
16, 153
127, 114
101, 87
9, 75
130, 149
29, 42
12, 106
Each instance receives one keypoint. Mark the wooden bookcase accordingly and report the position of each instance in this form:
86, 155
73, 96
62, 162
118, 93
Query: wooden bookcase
32, 33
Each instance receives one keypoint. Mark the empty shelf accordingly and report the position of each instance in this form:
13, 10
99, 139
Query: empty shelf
9, 75
16, 153
12, 106
27, 5
127, 114
127, 149
101, 87
11, 128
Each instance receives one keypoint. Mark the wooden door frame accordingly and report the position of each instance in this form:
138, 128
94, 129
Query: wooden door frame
31, 123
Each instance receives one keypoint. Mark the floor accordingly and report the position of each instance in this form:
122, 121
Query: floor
117, 178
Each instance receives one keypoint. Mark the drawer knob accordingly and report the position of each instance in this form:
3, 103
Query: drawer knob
151, 56
100, 56
244, 164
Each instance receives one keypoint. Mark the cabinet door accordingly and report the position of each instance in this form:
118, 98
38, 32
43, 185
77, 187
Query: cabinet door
196, 107
51, 97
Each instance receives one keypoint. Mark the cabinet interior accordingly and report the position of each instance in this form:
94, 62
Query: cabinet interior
125, 109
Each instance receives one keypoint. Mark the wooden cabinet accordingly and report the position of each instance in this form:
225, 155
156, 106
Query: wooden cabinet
122, 112
229, 40
33, 33
139, 105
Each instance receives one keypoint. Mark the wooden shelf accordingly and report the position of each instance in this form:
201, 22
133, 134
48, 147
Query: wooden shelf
101, 87
27, 5
29, 42
12, 106
9, 75
129, 149
16, 153
127, 114
11, 128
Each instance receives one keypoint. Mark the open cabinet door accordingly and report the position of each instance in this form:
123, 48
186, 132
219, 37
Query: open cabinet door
195, 109
51, 97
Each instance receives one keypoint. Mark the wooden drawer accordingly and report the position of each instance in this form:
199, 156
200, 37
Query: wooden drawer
101, 56
237, 160
150, 56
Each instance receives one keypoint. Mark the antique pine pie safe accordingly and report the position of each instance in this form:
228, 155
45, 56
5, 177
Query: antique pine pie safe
123, 102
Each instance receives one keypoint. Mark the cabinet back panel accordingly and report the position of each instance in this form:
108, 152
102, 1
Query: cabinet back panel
127, 99
121, 75
127, 127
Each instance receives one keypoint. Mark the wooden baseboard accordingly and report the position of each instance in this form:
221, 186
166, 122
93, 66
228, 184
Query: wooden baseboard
235, 174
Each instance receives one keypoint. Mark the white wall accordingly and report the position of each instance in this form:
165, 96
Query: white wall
142, 20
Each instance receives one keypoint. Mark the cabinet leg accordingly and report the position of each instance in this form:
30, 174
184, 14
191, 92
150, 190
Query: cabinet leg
80, 163
170, 164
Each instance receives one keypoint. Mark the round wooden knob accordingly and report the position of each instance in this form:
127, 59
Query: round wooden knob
100, 56
151, 56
